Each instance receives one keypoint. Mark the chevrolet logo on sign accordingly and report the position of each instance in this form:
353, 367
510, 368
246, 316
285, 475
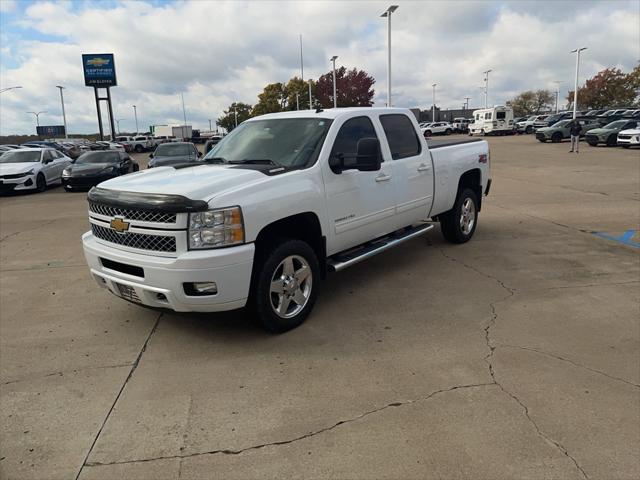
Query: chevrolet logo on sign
98, 62
119, 225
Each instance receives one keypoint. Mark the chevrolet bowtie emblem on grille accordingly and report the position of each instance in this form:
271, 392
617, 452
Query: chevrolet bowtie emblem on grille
119, 225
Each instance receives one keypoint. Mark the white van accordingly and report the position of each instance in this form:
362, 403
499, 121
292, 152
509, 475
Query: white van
492, 121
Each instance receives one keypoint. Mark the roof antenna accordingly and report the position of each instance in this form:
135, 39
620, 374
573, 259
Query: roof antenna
319, 109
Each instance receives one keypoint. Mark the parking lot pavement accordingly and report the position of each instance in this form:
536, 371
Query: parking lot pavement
512, 356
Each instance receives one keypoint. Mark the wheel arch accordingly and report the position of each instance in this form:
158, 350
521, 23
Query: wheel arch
472, 179
302, 226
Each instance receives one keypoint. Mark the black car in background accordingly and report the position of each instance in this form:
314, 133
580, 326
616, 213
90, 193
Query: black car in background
91, 168
174, 153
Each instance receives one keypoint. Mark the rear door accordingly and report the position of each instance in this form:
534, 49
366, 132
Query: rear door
412, 169
360, 205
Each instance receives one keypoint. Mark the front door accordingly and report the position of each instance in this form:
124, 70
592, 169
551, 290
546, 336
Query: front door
360, 205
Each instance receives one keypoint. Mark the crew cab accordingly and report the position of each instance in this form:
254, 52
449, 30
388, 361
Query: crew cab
277, 205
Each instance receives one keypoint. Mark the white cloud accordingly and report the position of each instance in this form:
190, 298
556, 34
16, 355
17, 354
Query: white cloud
218, 52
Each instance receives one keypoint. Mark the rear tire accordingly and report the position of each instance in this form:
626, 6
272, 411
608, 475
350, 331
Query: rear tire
427, 133
448, 131
285, 286
41, 183
139, 149
459, 224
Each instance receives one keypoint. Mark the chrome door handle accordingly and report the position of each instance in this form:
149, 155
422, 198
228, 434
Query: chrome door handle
383, 177
423, 168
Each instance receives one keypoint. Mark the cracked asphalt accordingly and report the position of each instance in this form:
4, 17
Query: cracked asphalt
516, 355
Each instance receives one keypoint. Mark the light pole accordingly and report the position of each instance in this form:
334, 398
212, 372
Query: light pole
135, 114
9, 88
387, 13
184, 112
310, 105
64, 115
118, 123
235, 114
486, 87
466, 103
209, 124
297, 101
575, 89
335, 99
557, 82
433, 108
37, 114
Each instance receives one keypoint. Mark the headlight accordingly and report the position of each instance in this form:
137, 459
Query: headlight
112, 169
216, 228
24, 174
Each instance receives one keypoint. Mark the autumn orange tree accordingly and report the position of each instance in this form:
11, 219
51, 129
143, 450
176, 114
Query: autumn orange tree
609, 88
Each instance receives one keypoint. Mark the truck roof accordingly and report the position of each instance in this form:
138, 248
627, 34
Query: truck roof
333, 113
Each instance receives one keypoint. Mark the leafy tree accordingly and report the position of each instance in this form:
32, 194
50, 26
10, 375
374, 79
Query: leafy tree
530, 102
228, 118
353, 88
609, 88
298, 86
274, 98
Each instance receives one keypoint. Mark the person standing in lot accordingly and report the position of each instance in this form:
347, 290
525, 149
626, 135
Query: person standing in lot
575, 130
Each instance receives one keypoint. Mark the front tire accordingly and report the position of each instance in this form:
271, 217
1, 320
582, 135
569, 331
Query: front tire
41, 183
447, 131
139, 148
529, 130
286, 286
556, 137
459, 224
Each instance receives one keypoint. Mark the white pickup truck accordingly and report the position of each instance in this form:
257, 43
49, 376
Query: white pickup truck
276, 205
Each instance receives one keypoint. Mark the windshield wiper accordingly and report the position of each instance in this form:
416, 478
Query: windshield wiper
255, 161
215, 160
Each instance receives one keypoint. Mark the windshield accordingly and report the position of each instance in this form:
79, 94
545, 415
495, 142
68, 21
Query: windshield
562, 123
616, 125
16, 156
553, 118
98, 157
169, 150
288, 141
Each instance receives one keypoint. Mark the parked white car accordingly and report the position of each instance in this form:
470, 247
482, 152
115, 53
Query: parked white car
629, 138
139, 144
283, 199
437, 128
31, 169
527, 126
112, 146
497, 120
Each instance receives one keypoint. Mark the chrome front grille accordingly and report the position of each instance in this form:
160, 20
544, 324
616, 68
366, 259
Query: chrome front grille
130, 214
155, 243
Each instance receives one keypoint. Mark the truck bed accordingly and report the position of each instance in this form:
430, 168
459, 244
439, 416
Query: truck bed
448, 143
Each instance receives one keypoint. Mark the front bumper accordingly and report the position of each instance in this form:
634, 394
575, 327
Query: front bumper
631, 140
162, 281
27, 182
85, 182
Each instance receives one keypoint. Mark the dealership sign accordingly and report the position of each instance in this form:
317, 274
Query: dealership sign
99, 70
51, 131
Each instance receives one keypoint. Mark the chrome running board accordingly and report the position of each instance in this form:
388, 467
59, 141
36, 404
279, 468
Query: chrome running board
342, 260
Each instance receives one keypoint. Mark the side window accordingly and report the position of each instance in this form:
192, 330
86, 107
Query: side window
46, 156
350, 132
487, 116
401, 136
502, 115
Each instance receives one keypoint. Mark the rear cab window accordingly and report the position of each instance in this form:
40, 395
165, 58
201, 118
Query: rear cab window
401, 136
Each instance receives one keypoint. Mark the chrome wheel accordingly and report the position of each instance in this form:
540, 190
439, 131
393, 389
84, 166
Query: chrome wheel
467, 216
291, 286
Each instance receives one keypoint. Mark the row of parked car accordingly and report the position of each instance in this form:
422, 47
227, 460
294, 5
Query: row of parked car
609, 127
36, 166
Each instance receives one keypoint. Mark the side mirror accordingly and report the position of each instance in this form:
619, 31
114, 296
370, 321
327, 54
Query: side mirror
368, 158
151, 155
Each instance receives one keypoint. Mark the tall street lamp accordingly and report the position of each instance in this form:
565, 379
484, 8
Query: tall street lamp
433, 108
8, 88
310, 100
118, 120
335, 99
64, 115
557, 82
135, 114
486, 86
387, 13
575, 89
466, 103
37, 114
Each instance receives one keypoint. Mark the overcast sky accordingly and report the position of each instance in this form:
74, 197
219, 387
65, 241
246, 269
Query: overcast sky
220, 52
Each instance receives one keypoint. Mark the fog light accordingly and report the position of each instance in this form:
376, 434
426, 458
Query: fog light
200, 288
28, 183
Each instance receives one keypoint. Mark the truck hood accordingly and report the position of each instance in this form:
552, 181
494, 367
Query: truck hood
201, 182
